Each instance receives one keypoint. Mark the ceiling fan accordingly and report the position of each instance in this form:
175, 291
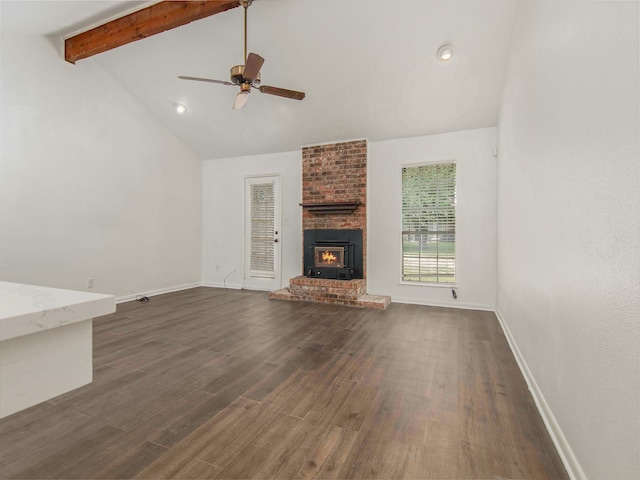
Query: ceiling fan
248, 75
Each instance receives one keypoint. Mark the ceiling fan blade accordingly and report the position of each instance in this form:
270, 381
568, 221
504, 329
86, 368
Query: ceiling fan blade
253, 66
281, 92
210, 80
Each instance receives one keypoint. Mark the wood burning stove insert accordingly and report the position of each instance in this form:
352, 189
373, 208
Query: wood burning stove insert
333, 254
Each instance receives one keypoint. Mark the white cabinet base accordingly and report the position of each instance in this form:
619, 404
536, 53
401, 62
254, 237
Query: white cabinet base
40, 366
46, 346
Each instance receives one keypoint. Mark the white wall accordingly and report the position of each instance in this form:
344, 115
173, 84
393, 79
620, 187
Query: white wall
223, 215
223, 187
475, 211
568, 226
91, 185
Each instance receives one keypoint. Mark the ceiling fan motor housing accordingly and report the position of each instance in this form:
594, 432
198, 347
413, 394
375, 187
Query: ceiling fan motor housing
237, 76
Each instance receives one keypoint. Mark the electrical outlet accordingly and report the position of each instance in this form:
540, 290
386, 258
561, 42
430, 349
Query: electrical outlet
217, 268
90, 282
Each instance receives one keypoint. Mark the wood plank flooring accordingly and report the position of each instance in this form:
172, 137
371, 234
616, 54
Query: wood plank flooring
207, 383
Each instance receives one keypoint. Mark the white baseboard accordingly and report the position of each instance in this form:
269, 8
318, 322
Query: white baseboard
159, 291
232, 286
463, 306
559, 440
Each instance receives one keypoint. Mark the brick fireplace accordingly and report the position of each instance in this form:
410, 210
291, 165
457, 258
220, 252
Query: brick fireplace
334, 208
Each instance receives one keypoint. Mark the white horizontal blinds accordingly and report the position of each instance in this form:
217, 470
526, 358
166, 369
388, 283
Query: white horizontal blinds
263, 208
429, 223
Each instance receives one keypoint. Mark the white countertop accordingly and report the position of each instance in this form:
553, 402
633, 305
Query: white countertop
27, 309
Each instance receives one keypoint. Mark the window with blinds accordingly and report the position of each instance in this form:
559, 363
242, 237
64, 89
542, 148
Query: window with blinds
429, 223
263, 205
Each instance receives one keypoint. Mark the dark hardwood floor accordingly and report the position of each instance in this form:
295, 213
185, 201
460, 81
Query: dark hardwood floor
208, 383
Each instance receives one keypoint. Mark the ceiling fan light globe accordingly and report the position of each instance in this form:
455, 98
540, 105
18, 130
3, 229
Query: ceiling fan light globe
241, 100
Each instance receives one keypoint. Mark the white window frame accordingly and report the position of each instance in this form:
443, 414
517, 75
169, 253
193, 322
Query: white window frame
404, 281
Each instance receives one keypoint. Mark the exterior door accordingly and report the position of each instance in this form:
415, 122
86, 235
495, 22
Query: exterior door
262, 233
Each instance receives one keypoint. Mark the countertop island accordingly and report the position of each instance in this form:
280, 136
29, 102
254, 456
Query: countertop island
45, 342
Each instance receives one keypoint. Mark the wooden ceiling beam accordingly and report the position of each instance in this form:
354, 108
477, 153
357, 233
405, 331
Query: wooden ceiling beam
149, 21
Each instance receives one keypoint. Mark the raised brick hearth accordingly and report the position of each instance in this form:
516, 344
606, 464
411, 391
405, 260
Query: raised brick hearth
334, 174
351, 293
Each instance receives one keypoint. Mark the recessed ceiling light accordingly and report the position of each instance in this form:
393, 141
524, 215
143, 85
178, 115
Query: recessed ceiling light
445, 52
180, 108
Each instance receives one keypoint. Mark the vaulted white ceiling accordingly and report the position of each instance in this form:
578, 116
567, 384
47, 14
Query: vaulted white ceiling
368, 67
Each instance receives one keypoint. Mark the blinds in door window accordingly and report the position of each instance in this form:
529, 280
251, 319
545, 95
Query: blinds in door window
263, 206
